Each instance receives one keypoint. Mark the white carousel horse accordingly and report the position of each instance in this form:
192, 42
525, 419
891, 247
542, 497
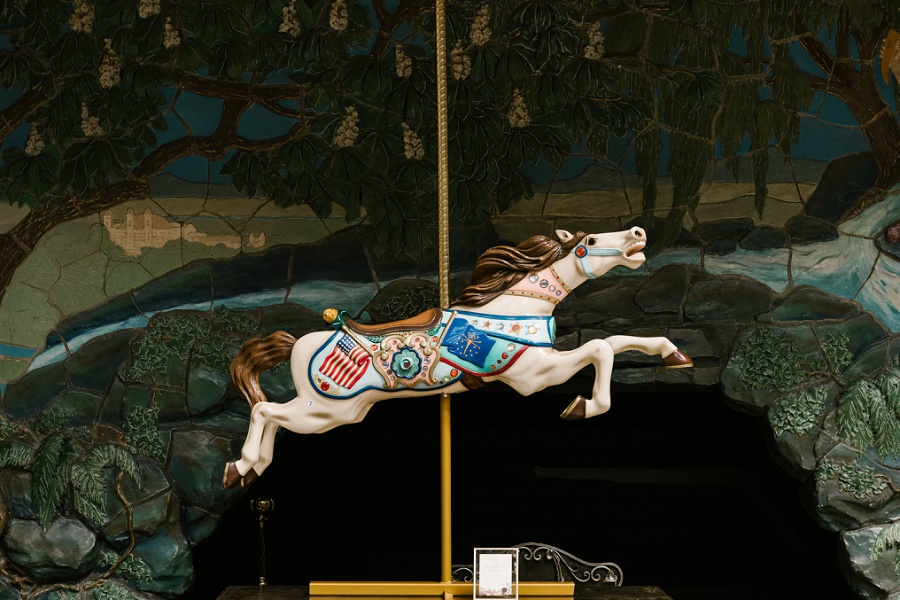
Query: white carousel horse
500, 328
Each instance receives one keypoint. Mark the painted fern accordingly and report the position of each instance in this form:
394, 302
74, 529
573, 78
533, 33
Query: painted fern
16, 455
889, 384
89, 480
852, 415
49, 481
887, 538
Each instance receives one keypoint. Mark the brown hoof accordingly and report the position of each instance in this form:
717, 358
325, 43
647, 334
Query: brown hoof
249, 479
678, 360
575, 410
231, 477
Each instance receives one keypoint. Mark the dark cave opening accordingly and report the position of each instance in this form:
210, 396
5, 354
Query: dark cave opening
671, 484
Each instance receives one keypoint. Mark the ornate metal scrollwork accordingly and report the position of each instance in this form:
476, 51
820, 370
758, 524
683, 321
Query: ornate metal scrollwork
567, 567
463, 573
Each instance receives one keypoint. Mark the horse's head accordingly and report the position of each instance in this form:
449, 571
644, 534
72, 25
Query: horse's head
599, 252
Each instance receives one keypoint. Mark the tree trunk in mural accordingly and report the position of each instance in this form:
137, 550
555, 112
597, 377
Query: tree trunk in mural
858, 90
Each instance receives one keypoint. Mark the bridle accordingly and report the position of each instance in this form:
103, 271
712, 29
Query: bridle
583, 252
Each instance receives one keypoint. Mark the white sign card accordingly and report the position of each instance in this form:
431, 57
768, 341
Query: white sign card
496, 573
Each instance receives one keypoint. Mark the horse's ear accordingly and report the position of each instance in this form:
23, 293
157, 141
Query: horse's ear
563, 235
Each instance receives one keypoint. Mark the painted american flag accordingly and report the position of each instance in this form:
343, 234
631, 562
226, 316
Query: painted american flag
346, 363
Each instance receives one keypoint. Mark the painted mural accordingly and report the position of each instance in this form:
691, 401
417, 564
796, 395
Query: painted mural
155, 153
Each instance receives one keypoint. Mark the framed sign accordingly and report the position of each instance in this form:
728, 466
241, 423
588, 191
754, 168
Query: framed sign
496, 573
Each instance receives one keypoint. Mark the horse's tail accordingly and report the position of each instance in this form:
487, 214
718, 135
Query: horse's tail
258, 355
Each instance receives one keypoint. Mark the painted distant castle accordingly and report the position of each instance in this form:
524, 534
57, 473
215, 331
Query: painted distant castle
154, 231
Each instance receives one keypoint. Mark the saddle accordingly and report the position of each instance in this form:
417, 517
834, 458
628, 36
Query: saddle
429, 351
427, 320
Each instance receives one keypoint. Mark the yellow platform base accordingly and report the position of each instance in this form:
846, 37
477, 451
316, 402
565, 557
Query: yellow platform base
547, 589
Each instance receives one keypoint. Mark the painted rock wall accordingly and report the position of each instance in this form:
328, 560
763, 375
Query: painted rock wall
125, 437
166, 165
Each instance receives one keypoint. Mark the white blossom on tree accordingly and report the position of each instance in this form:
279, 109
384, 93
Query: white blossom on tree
346, 133
460, 62
518, 112
35, 143
412, 144
339, 17
403, 66
290, 22
594, 49
148, 8
110, 66
82, 17
90, 125
480, 33
172, 36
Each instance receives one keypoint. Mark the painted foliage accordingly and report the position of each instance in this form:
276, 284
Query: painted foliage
152, 150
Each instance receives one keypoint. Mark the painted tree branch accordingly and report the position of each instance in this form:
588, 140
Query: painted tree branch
389, 22
18, 243
214, 88
16, 113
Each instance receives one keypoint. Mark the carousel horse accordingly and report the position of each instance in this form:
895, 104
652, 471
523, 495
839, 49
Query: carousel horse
500, 328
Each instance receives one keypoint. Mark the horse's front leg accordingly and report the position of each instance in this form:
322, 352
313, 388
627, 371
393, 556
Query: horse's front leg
539, 368
672, 357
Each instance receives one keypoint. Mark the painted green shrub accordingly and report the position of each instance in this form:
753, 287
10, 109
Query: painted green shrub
856, 479
827, 469
860, 481
208, 339
836, 346
169, 335
768, 361
142, 432
113, 591
798, 412
132, 568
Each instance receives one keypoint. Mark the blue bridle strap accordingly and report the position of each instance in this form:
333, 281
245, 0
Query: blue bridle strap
583, 252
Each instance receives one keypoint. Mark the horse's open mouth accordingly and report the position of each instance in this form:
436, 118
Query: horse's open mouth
634, 249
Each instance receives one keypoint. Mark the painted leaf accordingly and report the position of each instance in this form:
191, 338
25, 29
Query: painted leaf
49, 479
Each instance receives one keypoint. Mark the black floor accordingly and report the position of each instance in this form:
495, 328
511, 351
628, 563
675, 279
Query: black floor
672, 485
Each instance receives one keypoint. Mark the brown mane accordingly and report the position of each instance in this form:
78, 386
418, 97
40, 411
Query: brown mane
501, 267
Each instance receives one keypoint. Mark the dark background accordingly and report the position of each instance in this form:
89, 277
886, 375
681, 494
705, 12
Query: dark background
671, 484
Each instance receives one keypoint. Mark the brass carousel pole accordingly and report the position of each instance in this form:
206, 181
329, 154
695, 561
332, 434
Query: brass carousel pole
445, 586
443, 179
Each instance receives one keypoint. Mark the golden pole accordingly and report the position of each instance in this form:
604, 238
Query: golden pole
446, 519
443, 179
443, 174
444, 587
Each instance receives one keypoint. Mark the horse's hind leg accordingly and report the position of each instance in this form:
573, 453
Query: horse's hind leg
266, 454
259, 446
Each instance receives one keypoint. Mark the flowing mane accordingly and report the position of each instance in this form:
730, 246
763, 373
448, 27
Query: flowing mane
501, 267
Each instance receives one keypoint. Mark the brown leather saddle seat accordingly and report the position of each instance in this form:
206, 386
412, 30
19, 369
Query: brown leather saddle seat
423, 321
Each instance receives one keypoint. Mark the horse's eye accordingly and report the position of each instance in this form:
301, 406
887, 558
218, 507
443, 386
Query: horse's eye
591, 241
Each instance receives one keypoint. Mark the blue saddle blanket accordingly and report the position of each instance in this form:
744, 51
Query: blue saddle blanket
463, 343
